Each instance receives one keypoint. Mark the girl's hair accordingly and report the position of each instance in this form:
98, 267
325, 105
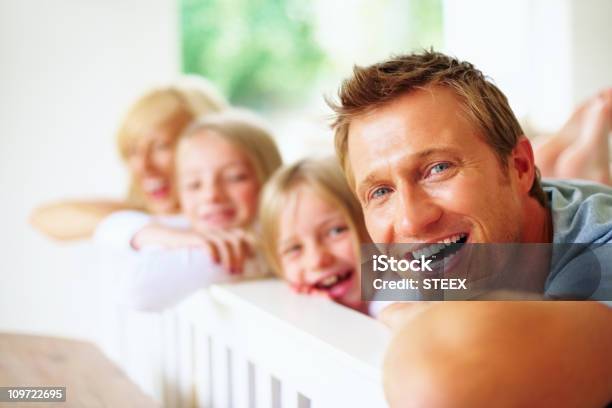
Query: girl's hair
171, 108
247, 132
325, 178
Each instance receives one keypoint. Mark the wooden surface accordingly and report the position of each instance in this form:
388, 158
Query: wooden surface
91, 379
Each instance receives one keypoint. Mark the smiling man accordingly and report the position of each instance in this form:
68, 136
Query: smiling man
423, 172
434, 153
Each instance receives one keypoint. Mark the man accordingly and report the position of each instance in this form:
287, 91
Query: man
434, 152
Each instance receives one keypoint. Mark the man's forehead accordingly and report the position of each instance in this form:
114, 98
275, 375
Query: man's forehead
433, 101
415, 114
412, 126
370, 125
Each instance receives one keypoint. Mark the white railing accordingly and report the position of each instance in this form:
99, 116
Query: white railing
257, 344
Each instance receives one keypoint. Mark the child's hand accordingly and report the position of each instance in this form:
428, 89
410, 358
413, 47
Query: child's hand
230, 248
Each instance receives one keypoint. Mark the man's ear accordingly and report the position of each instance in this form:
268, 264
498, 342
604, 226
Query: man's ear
522, 164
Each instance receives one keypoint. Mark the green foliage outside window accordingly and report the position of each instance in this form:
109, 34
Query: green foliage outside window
426, 24
264, 53
261, 53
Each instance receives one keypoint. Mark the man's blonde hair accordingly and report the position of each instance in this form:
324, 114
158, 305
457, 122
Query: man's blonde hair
485, 106
247, 132
324, 177
171, 108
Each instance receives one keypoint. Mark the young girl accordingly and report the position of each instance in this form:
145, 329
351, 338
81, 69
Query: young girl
311, 227
222, 162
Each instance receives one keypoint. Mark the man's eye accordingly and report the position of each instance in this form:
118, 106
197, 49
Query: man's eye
379, 192
439, 168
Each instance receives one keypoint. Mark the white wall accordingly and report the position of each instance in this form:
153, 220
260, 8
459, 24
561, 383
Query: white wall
591, 46
68, 70
545, 55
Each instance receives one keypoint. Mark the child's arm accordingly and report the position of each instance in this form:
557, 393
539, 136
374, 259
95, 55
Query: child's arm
156, 235
72, 220
135, 230
469, 354
117, 230
161, 278
230, 249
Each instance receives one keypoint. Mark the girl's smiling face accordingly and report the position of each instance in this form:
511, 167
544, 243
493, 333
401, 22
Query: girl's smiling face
317, 248
218, 187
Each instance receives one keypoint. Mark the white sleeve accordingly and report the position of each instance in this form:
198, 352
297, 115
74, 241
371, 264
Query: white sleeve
161, 278
118, 229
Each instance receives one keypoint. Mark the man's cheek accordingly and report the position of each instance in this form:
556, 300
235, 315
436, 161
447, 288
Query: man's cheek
379, 223
371, 226
458, 195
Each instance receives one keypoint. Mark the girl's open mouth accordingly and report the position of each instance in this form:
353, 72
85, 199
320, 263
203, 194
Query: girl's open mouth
336, 285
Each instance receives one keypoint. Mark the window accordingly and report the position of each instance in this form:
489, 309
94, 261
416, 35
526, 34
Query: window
278, 54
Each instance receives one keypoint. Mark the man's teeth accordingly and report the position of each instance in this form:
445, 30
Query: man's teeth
432, 249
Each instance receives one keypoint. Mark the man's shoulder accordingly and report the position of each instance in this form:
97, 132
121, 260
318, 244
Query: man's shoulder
581, 266
581, 211
568, 188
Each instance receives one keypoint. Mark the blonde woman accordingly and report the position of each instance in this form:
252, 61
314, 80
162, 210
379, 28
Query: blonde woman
222, 162
146, 139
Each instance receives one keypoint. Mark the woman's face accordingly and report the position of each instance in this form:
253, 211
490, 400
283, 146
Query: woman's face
151, 162
316, 248
218, 187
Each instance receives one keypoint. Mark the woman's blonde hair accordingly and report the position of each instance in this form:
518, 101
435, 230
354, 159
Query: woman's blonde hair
247, 132
170, 107
325, 178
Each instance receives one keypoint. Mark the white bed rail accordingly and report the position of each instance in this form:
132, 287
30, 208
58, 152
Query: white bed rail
257, 344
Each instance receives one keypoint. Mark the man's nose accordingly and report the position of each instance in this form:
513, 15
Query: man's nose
416, 213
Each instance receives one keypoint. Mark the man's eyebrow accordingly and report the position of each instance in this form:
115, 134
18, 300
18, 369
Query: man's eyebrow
433, 150
371, 177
